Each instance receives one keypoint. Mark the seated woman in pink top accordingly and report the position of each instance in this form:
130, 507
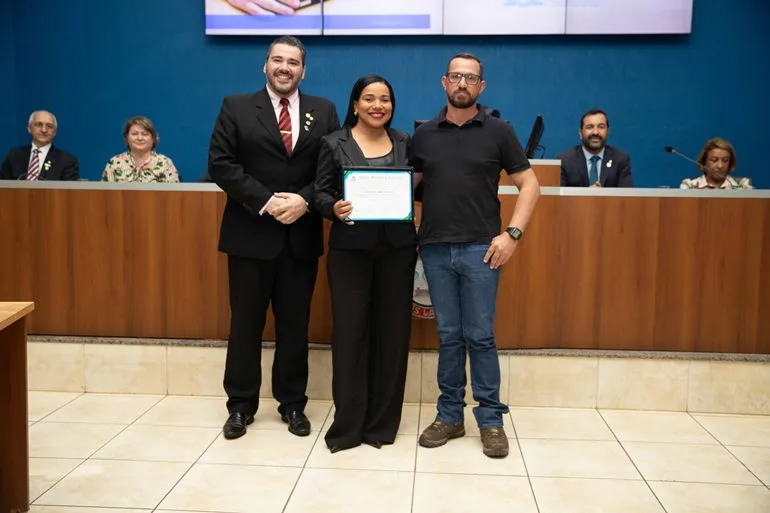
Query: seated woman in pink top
141, 163
717, 162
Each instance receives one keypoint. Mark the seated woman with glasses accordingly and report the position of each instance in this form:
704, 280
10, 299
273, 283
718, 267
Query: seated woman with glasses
370, 266
717, 162
141, 163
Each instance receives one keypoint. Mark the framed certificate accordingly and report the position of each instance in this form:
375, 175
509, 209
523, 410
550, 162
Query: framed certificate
379, 193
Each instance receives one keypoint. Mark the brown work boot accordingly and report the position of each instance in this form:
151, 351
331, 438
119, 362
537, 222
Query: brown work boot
439, 433
495, 442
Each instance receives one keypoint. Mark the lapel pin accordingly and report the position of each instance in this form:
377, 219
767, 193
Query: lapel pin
609, 163
307, 128
47, 165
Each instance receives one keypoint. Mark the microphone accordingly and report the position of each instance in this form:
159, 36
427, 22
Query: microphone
671, 149
22, 176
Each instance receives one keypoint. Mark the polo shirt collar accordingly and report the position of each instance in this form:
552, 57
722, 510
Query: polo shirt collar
478, 119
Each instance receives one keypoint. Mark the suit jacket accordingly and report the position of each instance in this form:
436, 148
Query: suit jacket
64, 166
247, 160
574, 170
339, 150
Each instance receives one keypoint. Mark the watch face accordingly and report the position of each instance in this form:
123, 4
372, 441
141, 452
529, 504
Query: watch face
515, 233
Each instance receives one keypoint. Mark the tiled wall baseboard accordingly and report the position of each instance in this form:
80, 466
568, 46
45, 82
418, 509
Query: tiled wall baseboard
583, 381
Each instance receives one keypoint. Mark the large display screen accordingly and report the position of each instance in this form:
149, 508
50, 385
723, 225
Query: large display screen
477, 17
629, 16
383, 17
237, 17
505, 16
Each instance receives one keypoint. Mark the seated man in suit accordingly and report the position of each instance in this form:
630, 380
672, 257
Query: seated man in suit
593, 163
41, 160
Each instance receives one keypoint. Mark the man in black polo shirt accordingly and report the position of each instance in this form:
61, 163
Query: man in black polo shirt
458, 156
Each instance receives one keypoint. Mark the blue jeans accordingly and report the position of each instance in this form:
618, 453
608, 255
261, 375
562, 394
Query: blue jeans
463, 290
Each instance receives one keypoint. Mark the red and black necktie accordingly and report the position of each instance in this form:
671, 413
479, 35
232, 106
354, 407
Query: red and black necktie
284, 124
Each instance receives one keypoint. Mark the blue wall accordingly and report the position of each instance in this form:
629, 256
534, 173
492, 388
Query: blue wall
7, 84
106, 61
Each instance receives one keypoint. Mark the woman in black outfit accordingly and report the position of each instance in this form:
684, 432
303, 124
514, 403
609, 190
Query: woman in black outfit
370, 267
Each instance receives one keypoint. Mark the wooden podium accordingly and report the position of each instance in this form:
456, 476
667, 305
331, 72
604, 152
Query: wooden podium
14, 460
611, 269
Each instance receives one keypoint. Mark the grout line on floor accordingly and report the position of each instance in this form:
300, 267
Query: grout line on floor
184, 474
416, 451
730, 452
623, 448
307, 458
524, 462
79, 394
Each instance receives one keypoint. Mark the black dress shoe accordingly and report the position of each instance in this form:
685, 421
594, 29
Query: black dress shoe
298, 423
374, 443
235, 427
338, 448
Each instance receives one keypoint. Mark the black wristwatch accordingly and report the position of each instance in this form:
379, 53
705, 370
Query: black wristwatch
514, 232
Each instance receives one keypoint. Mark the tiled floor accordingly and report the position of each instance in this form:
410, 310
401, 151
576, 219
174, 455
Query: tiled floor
93, 453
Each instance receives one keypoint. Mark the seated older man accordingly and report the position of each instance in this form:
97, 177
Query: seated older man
41, 160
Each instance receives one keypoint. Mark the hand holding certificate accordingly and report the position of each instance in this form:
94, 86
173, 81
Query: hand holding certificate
379, 194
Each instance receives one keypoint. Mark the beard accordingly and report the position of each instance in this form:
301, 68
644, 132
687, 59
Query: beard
593, 144
283, 88
461, 99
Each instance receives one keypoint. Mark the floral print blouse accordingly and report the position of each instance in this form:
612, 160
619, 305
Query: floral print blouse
729, 183
123, 168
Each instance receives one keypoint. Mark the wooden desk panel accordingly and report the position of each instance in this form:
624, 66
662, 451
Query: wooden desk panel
664, 273
762, 344
525, 298
709, 274
548, 173
14, 439
607, 249
677, 279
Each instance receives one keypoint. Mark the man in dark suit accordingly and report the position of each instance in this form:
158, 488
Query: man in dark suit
40, 160
593, 163
263, 154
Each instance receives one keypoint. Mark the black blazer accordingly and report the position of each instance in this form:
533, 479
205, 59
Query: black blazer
574, 170
63, 165
340, 150
247, 160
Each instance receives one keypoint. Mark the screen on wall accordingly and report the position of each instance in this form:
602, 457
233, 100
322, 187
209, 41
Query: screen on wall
458, 17
383, 17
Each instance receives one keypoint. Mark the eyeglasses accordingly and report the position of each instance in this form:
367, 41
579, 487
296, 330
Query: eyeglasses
470, 78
